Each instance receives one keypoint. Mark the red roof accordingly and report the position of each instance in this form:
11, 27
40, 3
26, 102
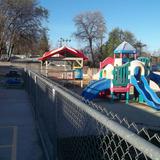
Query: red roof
63, 52
108, 60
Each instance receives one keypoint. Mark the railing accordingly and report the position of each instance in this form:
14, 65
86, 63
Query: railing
120, 75
74, 129
146, 62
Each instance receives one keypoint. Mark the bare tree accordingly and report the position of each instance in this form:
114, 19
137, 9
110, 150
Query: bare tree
90, 28
139, 46
20, 21
43, 43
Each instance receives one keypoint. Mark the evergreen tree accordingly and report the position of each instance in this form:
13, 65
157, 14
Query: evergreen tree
117, 36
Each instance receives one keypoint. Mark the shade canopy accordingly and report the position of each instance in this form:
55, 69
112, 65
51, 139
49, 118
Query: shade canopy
63, 52
125, 48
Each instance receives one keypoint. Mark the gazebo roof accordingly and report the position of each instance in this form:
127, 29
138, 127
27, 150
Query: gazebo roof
125, 48
63, 52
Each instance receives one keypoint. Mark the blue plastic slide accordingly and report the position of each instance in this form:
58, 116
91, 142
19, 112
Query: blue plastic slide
155, 78
146, 92
94, 88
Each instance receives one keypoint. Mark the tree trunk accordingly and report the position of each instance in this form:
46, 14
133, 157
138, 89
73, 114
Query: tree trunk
91, 49
10, 51
101, 43
1, 50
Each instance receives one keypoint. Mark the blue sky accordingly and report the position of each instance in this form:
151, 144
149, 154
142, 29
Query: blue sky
141, 17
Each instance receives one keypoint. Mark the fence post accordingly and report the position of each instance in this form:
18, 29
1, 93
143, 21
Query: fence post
55, 98
36, 98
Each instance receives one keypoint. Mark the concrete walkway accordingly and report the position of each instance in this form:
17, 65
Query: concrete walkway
18, 137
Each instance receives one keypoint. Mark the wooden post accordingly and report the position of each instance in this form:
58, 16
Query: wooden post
46, 68
82, 83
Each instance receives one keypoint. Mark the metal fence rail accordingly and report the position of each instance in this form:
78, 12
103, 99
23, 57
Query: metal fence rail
74, 129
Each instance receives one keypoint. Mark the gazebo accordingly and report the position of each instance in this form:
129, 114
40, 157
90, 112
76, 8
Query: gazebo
70, 55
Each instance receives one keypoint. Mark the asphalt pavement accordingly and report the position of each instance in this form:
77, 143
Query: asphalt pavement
18, 137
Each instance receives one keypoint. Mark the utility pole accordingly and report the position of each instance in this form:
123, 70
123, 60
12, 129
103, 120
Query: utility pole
63, 41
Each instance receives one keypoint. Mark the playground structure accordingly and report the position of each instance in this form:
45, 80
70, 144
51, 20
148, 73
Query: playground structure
71, 60
125, 74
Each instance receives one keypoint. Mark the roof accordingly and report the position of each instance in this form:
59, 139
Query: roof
63, 52
125, 48
108, 60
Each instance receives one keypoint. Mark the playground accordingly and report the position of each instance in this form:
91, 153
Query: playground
124, 84
134, 110
125, 76
78, 122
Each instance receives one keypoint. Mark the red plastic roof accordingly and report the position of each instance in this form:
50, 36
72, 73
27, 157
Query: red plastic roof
108, 60
63, 52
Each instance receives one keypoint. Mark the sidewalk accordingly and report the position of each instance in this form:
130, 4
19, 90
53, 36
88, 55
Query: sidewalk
18, 137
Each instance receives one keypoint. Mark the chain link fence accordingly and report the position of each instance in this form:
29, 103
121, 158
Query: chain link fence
72, 128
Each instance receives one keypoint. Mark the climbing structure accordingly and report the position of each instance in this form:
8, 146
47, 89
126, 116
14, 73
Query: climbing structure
121, 81
124, 74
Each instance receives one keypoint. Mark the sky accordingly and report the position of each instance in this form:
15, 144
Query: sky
141, 17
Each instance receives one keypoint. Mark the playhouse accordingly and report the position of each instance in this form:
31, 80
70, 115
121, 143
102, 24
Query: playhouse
124, 74
71, 60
